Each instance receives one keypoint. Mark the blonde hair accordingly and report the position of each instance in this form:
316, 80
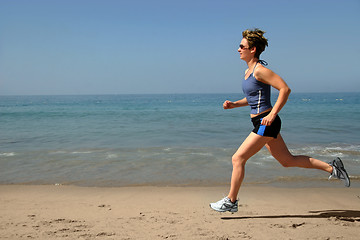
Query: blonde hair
255, 38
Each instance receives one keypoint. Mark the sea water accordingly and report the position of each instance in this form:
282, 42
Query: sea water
167, 140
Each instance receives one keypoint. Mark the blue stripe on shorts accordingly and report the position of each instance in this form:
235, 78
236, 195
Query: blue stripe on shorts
261, 130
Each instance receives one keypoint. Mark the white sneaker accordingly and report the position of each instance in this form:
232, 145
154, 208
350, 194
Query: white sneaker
225, 205
339, 171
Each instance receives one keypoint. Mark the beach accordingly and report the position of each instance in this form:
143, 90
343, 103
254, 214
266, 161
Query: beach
105, 167
72, 212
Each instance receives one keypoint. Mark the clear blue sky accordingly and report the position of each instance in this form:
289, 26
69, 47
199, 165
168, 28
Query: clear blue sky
164, 46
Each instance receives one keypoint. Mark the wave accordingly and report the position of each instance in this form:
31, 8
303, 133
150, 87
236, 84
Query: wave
9, 154
162, 166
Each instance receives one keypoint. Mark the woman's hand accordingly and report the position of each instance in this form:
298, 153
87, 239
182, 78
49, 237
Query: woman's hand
268, 120
228, 104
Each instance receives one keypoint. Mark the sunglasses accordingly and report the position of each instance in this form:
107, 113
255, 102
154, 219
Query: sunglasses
242, 47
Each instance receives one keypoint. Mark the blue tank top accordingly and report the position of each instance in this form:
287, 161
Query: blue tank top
257, 94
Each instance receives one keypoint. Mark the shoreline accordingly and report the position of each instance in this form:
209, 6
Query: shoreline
148, 212
299, 181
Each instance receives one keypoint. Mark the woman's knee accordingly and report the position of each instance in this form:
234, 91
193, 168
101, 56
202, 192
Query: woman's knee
238, 160
287, 162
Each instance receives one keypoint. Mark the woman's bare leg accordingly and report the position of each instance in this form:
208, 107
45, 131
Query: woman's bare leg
280, 152
277, 147
252, 144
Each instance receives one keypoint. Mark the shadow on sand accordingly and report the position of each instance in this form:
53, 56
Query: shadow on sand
344, 215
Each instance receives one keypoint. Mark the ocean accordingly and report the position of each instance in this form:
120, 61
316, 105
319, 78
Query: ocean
168, 139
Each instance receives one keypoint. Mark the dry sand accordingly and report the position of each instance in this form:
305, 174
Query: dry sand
68, 212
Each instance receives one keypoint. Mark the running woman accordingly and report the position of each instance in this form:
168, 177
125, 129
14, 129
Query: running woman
256, 85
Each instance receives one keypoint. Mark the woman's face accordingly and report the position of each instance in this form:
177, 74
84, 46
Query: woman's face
244, 50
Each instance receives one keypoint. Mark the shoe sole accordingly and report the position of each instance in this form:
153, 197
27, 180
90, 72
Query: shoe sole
341, 167
221, 210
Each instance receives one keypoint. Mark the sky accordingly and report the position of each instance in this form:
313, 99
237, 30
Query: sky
66, 47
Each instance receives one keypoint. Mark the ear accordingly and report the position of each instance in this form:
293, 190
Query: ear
253, 50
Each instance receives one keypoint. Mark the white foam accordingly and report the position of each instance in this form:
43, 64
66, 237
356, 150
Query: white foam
10, 154
111, 156
86, 152
57, 152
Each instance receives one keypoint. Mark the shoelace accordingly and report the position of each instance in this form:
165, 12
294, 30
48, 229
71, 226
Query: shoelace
336, 173
333, 172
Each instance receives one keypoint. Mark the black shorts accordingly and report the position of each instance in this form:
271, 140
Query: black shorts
267, 131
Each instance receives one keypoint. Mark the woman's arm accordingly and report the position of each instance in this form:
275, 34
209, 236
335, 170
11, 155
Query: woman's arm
240, 103
267, 76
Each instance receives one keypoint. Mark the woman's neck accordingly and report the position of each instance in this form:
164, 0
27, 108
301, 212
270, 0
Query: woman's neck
251, 64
